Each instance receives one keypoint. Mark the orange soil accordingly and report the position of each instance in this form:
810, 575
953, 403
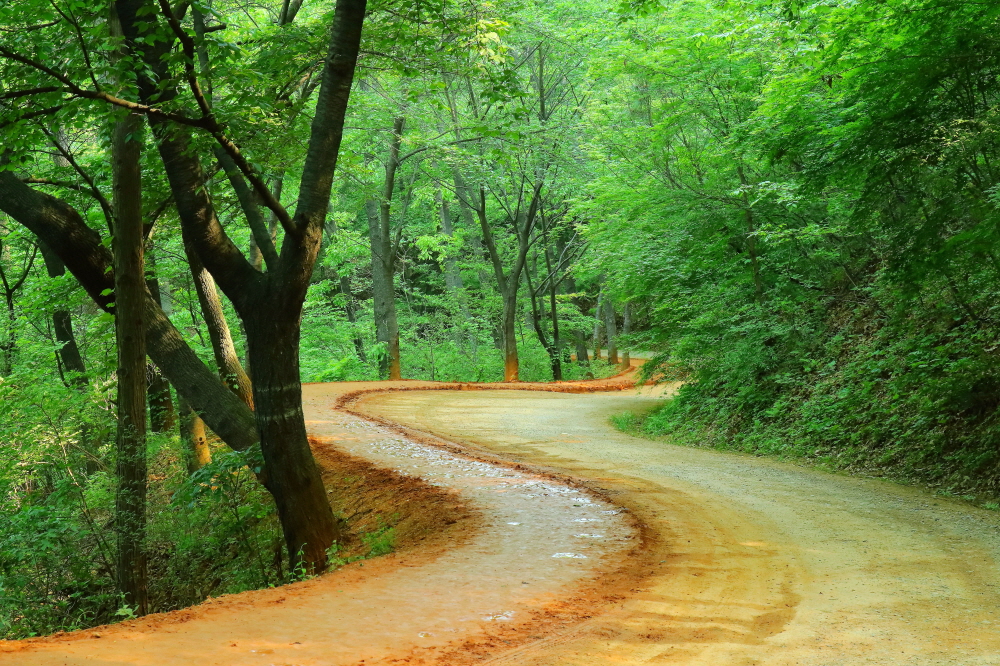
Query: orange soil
373, 611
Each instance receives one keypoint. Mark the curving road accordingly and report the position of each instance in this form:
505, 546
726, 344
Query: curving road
717, 559
759, 562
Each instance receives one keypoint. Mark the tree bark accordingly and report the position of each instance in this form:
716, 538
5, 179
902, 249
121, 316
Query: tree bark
611, 326
626, 329
350, 309
550, 345
130, 296
79, 247
582, 358
293, 477
384, 261
62, 324
270, 304
508, 283
384, 297
598, 317
161, 406
226, 358
192, 432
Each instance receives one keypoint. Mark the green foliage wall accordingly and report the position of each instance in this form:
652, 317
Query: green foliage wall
810, 195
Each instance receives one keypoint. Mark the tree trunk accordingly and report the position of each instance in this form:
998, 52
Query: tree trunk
79, 247
62, 324
610, 325
383, 293
509, 283
598, 312
350, 309
192, 432
270, 304
230, 369
511, 366
294, 479
452, 276
10, 289
161, 407
10, 344
626, 329
130, 296
582, 358
384, 260
535, 316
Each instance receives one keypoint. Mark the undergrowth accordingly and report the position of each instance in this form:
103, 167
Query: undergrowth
911, 397
210, 533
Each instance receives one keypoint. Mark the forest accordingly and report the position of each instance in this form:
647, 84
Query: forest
791, 207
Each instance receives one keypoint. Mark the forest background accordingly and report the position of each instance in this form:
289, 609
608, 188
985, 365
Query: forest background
792, 206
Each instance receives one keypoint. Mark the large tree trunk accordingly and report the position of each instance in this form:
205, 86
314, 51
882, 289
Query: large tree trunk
307, 521
270, 304
130, 296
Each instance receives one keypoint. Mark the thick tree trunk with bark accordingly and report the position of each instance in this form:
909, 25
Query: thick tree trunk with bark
270, 304
130, 296
294, 479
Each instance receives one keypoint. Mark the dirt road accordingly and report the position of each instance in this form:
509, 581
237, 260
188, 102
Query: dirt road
759, 562
717, 559
517, 558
